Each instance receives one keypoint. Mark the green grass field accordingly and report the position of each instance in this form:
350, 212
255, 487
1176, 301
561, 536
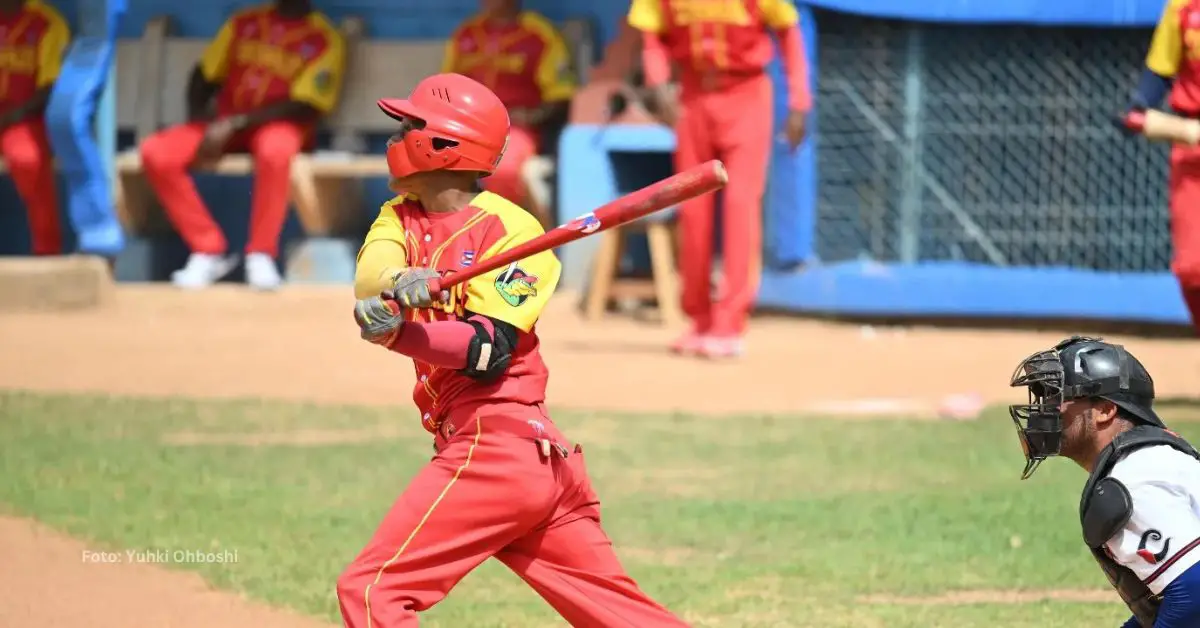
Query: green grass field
748, 521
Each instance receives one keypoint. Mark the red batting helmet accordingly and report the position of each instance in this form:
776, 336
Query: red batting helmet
451, 122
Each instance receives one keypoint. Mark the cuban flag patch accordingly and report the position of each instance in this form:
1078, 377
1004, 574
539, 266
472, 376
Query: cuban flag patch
468, 258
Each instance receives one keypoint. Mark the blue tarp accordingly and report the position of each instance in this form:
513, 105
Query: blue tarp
1042, 12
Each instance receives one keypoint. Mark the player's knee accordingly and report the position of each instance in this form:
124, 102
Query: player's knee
26, 157
158, 155
352, 585
364, 586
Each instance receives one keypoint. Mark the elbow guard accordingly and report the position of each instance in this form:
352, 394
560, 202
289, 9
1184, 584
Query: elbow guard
490, 350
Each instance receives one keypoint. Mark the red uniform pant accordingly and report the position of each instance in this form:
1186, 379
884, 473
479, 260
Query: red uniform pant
168, 155
26, 151
734, 125
1185, 225
492, 490
506, 181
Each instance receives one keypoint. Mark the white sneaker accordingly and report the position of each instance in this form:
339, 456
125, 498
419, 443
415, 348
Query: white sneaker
261, 272
202, 270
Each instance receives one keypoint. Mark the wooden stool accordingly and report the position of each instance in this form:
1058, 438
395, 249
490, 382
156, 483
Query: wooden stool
663, 286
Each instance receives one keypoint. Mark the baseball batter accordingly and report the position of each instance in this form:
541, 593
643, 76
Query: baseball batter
504, 481
1092, 402
261, 86
724, 111
1173, 65
33, 40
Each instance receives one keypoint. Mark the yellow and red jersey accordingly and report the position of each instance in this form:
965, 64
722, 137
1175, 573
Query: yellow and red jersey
261, 58
32, 45
525, 62
725, 36
515, 294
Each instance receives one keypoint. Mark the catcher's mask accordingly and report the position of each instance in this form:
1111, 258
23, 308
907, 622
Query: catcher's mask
1076, 368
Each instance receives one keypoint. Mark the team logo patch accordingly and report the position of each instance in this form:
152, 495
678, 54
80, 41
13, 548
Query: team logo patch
587, 223
323, 80
468, 258
516, 286
1149, 555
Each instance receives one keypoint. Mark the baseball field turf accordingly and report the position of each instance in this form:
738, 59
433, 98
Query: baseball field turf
754, 521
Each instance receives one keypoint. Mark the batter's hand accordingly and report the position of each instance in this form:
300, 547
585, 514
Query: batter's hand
410, 288
379, 320
797, 127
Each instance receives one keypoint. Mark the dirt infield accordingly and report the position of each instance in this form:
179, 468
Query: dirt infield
301, 344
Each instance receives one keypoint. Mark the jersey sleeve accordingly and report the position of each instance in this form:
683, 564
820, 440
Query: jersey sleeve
214, 62
383, 251
1158, 543
319, 84
646, 16
51, 48
517, 293
553, 74
1166, 46
779, 13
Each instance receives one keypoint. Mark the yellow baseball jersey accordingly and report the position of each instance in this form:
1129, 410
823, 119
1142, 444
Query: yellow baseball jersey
1175, 53
32, 44
526, 63
723, 35
405, 235
261, 58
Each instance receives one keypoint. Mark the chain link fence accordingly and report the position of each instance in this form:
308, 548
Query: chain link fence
985, 144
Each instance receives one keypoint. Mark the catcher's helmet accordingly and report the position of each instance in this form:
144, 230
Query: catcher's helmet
1076, 368
449, 122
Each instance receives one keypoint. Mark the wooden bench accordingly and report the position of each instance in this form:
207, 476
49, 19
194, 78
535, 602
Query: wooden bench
325, 185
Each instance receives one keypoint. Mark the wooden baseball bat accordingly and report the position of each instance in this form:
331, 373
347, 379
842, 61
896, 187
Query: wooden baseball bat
1160, 126
703, 179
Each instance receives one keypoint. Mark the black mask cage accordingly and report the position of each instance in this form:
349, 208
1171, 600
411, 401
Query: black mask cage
1039, 422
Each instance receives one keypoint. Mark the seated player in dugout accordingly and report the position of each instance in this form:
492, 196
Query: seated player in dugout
504, 482
33, 40
523, 59
262, 86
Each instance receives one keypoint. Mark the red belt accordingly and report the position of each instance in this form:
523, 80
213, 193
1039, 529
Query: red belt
538, 430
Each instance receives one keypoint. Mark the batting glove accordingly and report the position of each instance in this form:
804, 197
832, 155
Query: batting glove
410, 288
379, 320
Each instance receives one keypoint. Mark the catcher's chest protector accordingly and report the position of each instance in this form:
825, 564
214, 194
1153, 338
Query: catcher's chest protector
1106, 507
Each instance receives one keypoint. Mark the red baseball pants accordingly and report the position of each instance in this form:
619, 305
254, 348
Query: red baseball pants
492, 490
733, 125
26, 151
506, 181
168, 155
1185, 225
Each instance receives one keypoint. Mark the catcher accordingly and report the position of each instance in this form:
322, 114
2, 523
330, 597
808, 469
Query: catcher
1092, 402
504, 482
